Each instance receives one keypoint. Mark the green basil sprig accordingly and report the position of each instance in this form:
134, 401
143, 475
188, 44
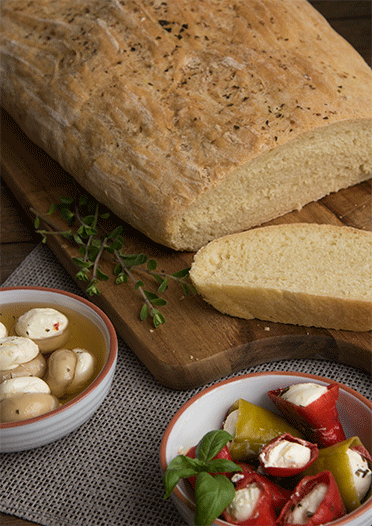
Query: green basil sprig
212, 493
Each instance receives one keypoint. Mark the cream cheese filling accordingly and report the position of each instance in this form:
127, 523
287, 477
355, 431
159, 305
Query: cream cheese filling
244, 503
286, 454
303, 394
306, 508
362, 474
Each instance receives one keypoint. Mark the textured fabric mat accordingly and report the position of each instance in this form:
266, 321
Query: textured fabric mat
107, 472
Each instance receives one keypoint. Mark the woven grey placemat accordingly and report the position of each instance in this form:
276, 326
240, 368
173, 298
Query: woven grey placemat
107, 472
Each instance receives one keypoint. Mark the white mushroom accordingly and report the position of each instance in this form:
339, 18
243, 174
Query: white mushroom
61, 370
22, 385
29, 405
83, 370
47, 327
15, 350
3, 331
35, 367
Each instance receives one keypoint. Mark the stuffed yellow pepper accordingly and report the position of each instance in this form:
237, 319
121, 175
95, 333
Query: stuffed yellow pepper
350, 463
252, 428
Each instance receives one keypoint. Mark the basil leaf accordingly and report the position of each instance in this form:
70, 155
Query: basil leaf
212, 495
180, 467
157, 319
144, 312
82, 263
116, 232
181, 273
118, 243
159, 302
66, 200
221, 465
163, 286
152, 264
101, 275
211, 444
150, 295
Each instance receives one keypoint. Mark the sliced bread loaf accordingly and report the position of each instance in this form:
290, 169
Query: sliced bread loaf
303, 274
190, 120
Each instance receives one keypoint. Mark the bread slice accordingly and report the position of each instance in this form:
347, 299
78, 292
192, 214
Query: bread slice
190, 119
303, 274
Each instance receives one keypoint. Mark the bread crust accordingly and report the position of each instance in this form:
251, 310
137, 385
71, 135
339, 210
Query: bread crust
152, 105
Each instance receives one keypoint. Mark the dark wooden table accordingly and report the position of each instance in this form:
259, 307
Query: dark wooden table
350, 18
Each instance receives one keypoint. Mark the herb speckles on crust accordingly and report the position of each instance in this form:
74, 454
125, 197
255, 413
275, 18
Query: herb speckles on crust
179, 110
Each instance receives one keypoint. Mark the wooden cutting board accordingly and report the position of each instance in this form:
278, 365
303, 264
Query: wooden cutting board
197, 344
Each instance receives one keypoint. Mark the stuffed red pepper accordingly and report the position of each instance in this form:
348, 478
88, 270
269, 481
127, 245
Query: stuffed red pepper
286, 456
316, 500
252, 504
312, 408
279, 495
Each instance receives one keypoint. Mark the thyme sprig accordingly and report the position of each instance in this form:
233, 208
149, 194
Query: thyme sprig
87, 230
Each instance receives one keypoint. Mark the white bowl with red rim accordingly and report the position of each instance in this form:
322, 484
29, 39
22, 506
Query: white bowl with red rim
44, 429
206, 411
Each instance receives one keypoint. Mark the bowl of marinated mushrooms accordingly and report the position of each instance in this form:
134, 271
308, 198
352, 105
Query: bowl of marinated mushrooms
58, 354
272, 449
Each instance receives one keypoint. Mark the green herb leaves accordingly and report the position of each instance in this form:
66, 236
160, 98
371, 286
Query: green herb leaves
211, 444
94, 242
212, 493
181, 467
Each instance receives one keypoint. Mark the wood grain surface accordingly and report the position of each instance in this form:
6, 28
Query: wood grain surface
352, 19
197, 344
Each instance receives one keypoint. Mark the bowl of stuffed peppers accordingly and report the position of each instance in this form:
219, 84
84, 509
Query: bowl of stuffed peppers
271, 449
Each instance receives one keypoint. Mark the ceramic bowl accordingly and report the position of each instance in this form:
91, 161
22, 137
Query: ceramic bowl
206, 410
44, 429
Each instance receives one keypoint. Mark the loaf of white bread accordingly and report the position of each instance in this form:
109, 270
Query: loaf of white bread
302, 274
190, 120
